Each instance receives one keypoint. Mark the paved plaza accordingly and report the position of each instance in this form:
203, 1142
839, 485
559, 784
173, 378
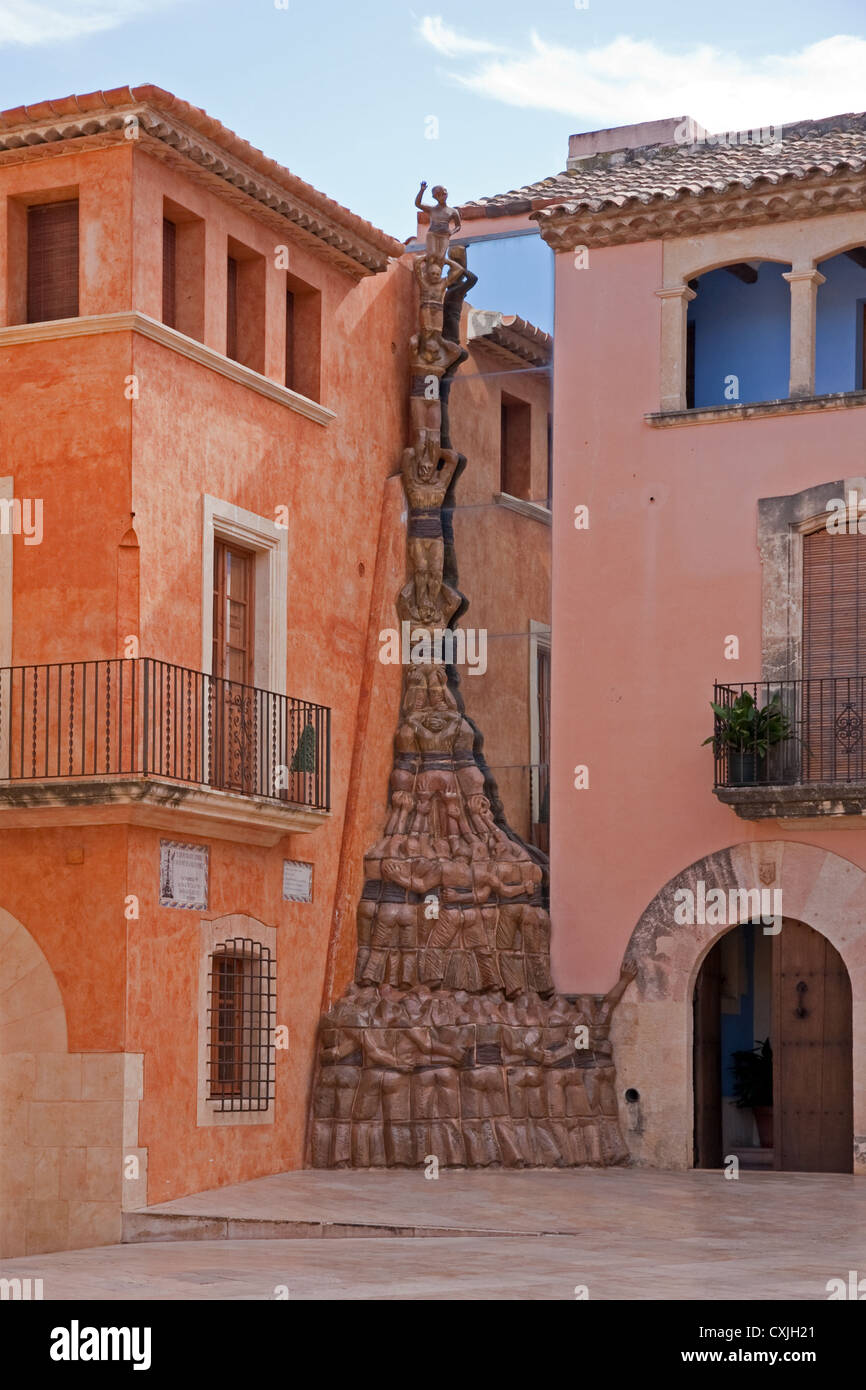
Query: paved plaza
617, 1234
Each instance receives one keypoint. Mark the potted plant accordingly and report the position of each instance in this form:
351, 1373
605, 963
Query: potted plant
749, 729
752, 1071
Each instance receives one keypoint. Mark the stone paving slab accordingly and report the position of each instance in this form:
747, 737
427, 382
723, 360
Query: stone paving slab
633, 1234
628, 1266
403, 1202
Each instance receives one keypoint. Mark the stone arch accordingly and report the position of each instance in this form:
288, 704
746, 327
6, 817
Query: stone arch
652, 1027
726, 257
32, 1026
32, 1014
61, 1143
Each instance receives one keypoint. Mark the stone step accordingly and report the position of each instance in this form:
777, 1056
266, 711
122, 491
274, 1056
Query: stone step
141, 1227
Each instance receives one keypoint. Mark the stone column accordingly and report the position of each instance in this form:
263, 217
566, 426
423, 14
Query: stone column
675, 303
804, 289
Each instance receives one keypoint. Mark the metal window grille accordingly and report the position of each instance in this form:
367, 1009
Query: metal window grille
241, 1010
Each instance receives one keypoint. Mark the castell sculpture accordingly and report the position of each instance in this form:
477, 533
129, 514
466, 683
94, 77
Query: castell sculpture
451, 1042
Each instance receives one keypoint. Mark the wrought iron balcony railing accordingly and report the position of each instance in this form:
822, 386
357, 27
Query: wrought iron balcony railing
148, 718
795, 732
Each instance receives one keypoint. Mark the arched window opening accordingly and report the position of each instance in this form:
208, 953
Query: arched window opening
839, 364
739, 333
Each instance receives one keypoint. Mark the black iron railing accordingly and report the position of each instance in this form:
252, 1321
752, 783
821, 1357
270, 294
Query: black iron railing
791, 731
147, 718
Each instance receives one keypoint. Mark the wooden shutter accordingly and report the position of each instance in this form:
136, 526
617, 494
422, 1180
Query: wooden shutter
52, 261
834, 655
834, 605
290, 340
232, 309
233, 654
169, 273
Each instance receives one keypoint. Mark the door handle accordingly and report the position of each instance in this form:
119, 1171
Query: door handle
800, 1011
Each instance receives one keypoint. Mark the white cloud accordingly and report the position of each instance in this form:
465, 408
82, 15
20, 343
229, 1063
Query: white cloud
449, 42
32, 22
629, 80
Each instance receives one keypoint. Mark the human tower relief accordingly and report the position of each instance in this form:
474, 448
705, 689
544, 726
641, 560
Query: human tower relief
452, 1043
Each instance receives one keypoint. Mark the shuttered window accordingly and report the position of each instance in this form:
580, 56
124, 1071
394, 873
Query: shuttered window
52, 261
834, 656
834, 605
169, 273
232, 309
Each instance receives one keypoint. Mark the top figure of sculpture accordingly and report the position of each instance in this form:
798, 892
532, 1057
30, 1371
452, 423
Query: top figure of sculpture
440, 230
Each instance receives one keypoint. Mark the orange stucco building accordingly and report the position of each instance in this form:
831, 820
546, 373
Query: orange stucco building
202, 416
201, 358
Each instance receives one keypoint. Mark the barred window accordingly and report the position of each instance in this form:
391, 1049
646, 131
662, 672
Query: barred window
241, 1008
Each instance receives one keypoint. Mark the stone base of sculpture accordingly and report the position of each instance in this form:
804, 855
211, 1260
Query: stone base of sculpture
472, 1081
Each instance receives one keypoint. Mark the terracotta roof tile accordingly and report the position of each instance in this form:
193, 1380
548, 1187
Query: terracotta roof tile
660, 173
96, 104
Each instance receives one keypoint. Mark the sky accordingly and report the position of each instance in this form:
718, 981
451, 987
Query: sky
366, 99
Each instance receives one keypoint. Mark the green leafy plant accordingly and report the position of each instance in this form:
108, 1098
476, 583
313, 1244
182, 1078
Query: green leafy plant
752, 1071
304, 759
749, 727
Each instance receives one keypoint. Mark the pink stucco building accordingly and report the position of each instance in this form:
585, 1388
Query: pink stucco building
708, 477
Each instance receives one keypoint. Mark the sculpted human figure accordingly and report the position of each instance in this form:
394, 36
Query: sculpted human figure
438, 691
435, 730
427, 473
432, 285
460, 281
444, 222
471, 780
430, 357
414, 698
394, 931
452, 1040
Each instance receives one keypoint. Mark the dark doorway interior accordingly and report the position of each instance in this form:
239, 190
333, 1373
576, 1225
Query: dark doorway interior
786, 999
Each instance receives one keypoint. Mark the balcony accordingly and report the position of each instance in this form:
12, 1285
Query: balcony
792, 750
149, 743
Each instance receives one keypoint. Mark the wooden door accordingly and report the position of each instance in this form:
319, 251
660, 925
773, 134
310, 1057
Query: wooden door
813, 1105
234, 698
707, 1060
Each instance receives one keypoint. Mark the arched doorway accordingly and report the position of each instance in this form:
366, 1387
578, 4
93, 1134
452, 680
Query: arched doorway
773, 1051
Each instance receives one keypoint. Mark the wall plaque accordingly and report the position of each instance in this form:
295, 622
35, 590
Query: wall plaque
183, 874
297, 881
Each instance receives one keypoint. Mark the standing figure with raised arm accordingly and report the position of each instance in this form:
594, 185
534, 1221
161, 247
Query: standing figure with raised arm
439, 231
